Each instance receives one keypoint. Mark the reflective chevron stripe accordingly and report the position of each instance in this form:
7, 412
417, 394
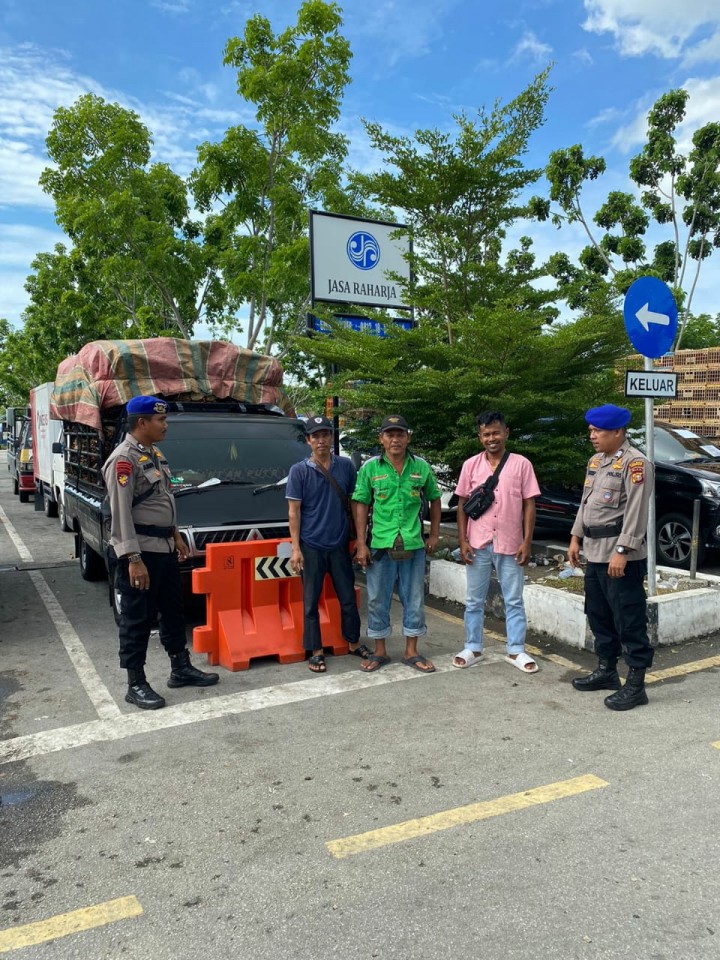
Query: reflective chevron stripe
273, 568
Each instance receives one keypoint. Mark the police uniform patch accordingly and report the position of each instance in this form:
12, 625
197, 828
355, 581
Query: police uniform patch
123, 468
142, 459
637, 471
618, 465
607, 495
123, 479
594, 463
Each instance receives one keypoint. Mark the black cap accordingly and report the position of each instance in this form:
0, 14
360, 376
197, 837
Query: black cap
314, 424
394, 422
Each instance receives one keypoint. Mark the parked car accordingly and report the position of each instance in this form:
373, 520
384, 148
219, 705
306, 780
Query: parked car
687, 467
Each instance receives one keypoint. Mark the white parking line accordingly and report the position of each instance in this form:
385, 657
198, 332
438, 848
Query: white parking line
96, 690
130, 725
99, 695
15, 537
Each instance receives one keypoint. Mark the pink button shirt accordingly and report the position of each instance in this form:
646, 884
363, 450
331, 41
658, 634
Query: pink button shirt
501, 524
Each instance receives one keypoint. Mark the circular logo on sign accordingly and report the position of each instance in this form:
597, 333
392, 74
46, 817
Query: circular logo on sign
363, 250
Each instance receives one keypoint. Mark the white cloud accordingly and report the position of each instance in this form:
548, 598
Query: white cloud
400, 29
530, 47
584, 56
703, 107
34, 83
608, 115
664, 28
172, 6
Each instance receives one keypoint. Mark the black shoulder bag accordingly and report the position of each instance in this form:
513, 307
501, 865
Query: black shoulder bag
483, 497
345, 500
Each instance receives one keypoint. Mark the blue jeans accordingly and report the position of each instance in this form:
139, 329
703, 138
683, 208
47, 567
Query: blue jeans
511, 578
381, 576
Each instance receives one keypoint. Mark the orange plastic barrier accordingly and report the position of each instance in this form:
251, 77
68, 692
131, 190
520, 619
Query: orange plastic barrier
255, 609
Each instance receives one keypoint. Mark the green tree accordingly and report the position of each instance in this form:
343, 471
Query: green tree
486, 334
673, 190
129, 219
256, 184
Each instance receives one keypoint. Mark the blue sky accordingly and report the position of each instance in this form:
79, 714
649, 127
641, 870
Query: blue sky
415, 63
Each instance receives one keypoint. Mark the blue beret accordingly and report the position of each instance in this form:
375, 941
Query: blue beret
608, 417
146, 406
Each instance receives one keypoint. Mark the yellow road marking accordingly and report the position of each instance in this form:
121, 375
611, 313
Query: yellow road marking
66, 923
682, 669
716, 744
459, 816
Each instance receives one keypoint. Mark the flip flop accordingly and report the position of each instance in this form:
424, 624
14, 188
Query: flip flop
471, 657
316, 664
362, 651
523, 660
377, 659
415, 662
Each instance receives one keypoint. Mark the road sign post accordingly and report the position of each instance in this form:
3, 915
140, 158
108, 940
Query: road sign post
651, 319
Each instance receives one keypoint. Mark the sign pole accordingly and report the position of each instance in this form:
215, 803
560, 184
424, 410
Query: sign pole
650, 449
651, 321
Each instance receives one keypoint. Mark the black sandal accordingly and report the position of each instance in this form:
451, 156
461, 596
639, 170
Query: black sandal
316, 664
362, 651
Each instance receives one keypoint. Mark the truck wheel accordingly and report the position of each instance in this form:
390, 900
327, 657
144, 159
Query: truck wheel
62, 516
16, 486
51, 507
674, 541
24, 496
92, 565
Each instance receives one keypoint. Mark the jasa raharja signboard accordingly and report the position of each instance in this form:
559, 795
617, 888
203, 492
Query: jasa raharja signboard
352, 260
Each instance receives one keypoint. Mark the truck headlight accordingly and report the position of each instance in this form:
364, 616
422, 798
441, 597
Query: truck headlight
711, 489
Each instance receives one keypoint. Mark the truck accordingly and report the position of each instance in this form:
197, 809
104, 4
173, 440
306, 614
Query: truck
232, 438
48, 460
19, 452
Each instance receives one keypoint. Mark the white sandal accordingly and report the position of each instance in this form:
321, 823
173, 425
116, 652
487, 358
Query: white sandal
471, 657
522, 661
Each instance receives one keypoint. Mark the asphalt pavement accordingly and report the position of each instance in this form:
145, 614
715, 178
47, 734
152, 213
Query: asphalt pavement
469, 813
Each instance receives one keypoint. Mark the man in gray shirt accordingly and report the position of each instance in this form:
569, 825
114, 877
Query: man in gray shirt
612, 526
147, 544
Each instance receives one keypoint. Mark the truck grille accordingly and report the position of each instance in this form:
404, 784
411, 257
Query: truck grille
202, 538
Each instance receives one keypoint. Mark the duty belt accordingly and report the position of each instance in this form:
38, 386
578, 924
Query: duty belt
601, 533
149, 530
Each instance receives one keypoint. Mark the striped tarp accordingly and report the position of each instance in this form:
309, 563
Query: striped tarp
107, 373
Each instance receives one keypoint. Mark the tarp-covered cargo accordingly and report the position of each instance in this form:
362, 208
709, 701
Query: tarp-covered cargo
106, 373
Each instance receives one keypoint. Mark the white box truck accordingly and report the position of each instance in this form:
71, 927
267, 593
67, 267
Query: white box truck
48, 460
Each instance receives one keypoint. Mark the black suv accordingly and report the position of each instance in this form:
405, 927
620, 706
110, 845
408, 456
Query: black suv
687, 467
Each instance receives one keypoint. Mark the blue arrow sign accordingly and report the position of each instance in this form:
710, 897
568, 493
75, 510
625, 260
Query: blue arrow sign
651, 316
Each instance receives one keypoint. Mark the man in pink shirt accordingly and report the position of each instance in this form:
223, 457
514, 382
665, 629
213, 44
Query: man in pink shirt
501, 538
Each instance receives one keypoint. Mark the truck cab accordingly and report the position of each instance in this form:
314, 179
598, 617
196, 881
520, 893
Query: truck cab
20, 459
230, 462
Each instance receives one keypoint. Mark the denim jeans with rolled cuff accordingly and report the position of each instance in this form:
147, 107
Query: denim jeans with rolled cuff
382, 576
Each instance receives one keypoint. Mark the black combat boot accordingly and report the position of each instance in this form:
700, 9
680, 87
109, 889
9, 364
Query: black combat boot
141, 693
632, 694
603, 677
184, 674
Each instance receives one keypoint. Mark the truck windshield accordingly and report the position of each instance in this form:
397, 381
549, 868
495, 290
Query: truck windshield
232, 449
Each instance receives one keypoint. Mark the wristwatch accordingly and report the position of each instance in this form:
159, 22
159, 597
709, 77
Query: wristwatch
134, 557
620, 549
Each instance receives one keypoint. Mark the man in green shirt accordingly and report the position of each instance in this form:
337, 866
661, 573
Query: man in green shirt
397, 484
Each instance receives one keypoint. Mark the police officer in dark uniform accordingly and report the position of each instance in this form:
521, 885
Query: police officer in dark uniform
148, 546
612, 526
